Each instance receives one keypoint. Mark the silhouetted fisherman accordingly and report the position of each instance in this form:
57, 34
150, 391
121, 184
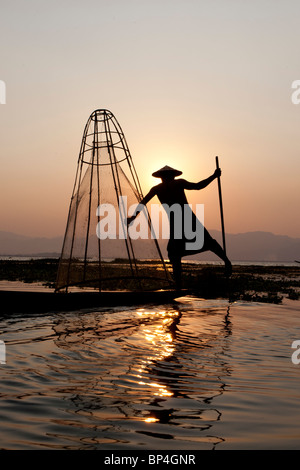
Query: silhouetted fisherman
169, 192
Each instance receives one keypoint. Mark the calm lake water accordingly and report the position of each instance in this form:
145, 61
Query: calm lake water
197, 374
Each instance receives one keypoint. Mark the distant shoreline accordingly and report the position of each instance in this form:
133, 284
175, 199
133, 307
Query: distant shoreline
56, 256
263, 282
253, 246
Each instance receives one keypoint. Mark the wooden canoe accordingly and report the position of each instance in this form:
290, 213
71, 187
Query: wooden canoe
17, 301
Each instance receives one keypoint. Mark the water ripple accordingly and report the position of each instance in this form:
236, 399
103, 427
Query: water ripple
196, 375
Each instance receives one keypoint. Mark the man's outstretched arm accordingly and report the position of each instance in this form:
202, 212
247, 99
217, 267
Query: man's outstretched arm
142, 203
202, 184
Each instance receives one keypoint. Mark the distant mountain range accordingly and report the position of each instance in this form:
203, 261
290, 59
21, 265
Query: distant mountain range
249, 246
20, 245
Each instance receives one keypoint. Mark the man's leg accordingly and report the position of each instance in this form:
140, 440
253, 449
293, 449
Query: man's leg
175, 250
218, 250
210, 244
176, 265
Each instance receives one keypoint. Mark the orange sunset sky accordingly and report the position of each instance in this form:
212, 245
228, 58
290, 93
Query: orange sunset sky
186, 79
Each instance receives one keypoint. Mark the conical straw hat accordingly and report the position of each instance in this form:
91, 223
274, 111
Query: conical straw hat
165, 170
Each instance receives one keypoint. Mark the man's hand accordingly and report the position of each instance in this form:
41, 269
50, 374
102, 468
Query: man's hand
217, 173
130, 219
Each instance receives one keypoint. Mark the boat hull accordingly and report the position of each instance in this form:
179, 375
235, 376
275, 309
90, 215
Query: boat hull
42, 302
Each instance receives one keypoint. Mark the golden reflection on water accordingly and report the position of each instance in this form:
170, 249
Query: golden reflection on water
201, 377
151, 420
165, 363
161, 337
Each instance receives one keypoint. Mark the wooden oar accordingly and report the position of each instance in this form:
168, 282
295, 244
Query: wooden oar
221, 207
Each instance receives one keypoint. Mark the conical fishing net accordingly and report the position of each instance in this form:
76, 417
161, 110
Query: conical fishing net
99, 250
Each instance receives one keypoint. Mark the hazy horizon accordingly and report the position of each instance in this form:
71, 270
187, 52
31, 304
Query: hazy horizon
248, 246
187, 80
58, 235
